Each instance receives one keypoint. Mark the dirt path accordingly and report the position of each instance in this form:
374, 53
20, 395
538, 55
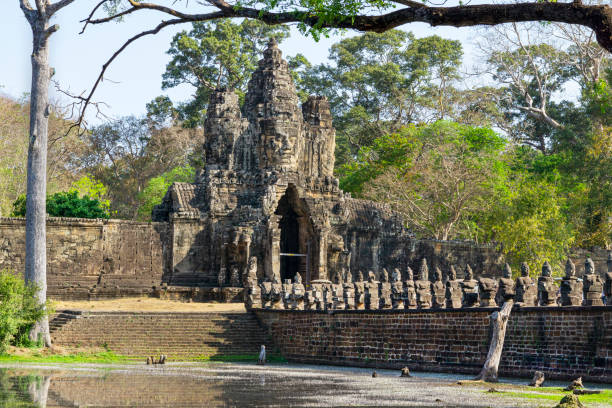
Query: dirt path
146, 305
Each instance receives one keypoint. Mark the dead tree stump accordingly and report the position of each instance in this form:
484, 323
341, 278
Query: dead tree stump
499, 321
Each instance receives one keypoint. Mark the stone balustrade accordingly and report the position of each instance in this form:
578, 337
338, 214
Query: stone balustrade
382, 292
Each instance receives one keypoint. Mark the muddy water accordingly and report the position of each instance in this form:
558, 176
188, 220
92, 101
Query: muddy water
231, 385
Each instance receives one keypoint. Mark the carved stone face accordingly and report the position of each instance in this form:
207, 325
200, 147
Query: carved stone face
371, 276
524, 269
546, 269
437, 274
469, 275
452, 274
396, 276
507, 271
424, 271
589, 266
384, 275
570, 269
409, 274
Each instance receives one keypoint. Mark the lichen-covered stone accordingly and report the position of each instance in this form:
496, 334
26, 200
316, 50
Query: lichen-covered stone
571, 288
547, 290
469, 287
592, 285
526, 290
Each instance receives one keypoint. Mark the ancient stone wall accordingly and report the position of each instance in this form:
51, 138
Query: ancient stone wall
92, 258
563, 342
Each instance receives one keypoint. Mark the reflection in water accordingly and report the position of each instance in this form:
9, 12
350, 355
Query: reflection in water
227, 385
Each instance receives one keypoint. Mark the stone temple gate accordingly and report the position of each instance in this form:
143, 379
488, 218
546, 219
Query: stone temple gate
268, 191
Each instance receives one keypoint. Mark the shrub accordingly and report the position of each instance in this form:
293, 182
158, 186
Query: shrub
19, 309
65, 204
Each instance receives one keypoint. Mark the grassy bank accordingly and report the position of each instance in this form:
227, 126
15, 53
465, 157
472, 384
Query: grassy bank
556, 393
246, 358
82, 357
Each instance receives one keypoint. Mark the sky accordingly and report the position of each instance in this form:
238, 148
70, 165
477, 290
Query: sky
135, 77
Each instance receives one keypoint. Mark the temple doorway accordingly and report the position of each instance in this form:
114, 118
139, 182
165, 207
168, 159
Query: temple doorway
294, 236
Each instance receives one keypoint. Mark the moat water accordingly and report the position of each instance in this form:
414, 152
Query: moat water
236, 385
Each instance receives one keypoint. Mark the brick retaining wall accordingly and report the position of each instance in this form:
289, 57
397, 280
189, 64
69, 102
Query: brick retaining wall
563, 342
181, 336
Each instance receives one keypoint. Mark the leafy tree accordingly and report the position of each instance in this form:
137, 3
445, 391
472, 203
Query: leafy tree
214, 55
437, 175
125, 154
66, 204
62, 168
157, 187
381, 82
19, 308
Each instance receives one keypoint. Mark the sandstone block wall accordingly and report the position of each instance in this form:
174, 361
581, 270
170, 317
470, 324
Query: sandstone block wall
563, 342
92, 258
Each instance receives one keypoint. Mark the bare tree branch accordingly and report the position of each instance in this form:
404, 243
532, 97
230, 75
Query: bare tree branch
55, 7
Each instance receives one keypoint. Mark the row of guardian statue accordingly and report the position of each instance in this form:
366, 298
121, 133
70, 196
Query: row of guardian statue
423, 293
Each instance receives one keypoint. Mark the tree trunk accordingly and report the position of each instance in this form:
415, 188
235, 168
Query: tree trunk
499, 322
36, 241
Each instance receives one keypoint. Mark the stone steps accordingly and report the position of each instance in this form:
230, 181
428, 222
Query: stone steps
178, 335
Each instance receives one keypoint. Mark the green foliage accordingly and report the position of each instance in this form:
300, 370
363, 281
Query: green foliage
157, 187
87, 186
528, 222
66, 204
214, 55
377, 83
19, 308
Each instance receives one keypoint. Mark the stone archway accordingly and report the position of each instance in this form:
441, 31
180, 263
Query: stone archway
294, 236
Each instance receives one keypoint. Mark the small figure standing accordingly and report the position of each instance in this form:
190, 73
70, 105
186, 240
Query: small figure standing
410, 298
423, 287
262, 356
454, 295
438, 290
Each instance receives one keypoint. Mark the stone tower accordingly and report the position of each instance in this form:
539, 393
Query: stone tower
268, 191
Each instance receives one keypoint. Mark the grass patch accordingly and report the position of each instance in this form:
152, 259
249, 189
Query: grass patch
556, 393
37, 357
242, 358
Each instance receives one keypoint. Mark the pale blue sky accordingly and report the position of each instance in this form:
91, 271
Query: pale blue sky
137, 72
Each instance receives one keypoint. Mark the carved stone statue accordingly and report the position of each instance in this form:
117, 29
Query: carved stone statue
372, 299
506, 288
547, 290
410, 299
252, 289
235, 277
310, 302
438, 290
469, 286
453, 291
423, 287
487, 288
276, 295
397, 290
360, 294
287, 289
349, 292
385, 291
592, 285
337, 293
608, 281
526, 291
571, 288
266, 293
296, 299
